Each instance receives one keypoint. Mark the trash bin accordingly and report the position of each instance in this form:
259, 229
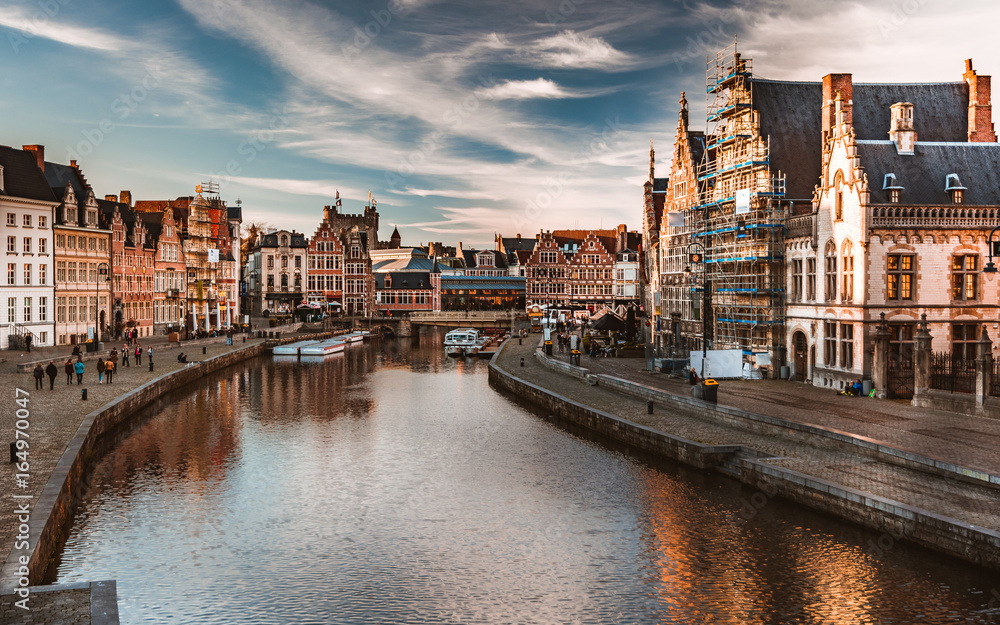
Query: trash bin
866, 387
548, 348
710, 391
574, 357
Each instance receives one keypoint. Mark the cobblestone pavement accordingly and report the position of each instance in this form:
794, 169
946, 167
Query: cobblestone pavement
63, 607
969, 441
971, 503
55, 417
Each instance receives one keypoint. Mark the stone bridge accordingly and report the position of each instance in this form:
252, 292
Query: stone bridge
405, 326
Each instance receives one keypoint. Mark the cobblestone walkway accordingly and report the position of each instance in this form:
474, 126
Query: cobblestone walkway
971, 503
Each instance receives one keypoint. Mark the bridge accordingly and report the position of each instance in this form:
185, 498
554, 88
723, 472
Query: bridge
404, 326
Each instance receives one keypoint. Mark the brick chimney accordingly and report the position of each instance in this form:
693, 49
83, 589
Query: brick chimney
39, 151
125, 197
111, 198
832, 84
980, 107
901, 130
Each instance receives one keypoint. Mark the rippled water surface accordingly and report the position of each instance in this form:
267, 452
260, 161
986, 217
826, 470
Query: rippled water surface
390, 484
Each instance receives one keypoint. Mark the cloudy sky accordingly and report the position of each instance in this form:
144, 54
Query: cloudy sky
463, 119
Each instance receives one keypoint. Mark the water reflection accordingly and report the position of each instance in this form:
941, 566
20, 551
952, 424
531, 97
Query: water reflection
392, 485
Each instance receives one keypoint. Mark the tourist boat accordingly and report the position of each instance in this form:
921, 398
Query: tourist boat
323, 348
462, 342
291, 349
353, 337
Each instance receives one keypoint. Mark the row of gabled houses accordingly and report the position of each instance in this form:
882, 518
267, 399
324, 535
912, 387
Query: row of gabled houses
805, 215
344, 268
81, 265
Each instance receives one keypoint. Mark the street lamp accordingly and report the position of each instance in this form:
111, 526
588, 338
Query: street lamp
102, 270
994, 249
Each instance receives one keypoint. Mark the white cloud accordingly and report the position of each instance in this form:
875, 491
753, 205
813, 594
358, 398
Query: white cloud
39, 23
526, 90
573, 50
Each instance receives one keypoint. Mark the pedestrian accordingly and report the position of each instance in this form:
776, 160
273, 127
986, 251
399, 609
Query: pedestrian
39, 374
27, 341
138, 354
79, 367
69, 370
76, 350
113, 359
100, 370
52, 371
149, 354
109, 370
125, 351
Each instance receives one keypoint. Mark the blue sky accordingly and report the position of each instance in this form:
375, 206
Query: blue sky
463, 119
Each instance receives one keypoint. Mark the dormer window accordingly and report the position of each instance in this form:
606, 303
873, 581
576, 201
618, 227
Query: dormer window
954, 186
388, 281
892, 185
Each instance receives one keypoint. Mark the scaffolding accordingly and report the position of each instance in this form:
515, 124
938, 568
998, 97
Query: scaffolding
740, 219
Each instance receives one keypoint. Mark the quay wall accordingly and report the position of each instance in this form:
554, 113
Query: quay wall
896, 520
52, 515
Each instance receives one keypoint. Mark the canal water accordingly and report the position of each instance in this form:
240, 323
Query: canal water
391, 484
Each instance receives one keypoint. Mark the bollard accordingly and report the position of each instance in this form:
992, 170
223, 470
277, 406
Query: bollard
244, 338
203, 349
13, 452
518, 340
522, 362
83, 393
150, 365
649, 407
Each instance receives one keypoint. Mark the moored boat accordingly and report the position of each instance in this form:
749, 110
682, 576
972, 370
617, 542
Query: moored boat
291, 349
462, 342
323, 348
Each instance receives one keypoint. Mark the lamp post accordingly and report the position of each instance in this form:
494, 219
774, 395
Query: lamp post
696, 254
994, 249
102, 270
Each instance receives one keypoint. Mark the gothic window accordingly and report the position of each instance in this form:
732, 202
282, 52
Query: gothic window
811, 279
847, 267
830, 293
847, 345
838, 198
830, 343
796, 280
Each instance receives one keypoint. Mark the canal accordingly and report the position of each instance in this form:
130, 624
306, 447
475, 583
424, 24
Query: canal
390, 484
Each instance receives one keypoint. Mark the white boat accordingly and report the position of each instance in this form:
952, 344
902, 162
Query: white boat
462, 342
353, 337
323, 348
292, 349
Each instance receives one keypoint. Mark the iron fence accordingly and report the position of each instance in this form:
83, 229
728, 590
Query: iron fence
995, 379
949, 372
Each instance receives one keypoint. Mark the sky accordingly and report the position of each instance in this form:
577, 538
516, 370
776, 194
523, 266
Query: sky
462, 119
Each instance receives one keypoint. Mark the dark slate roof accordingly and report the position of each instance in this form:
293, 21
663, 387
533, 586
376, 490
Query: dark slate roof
922, 175
514, 244
297, 239
790, 115
403, 280
499, 259
22, 177
153, 223
660, 185
940, 110
61, 176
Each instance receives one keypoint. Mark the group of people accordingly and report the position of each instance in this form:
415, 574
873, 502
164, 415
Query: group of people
855, 389
105, 367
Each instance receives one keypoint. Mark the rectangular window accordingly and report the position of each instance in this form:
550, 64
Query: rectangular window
963, 340
71, 272
831, 278
900, 276
60, 241
11, 310
43, 274
11, 219
964, 277
846, 346
27, 245
298, 262
27, 274
830, 343
27, 221
72, 309
43, 222
811, 279
60, 310
11, 273
27, 309
71, 243
43, 246
12, 245
43, 313
797, 280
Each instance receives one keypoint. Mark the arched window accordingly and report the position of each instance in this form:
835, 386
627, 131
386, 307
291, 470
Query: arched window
847, 271
838, 197
830, 292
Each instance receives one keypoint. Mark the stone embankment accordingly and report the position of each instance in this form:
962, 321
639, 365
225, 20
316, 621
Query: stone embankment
931, 501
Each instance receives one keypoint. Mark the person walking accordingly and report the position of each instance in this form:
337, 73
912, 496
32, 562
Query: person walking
79, 367
125, 351
149, 355
138, 354
39, 374
69, 370
109, 370
113, 359
100, 370
52, 371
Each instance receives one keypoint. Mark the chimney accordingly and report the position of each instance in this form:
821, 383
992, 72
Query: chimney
39, 152
518, 236
72, 163
901, 130
111, 198
833, 84
126, 197
980, 107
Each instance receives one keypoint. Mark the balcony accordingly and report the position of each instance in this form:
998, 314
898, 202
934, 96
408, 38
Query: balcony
799, 226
